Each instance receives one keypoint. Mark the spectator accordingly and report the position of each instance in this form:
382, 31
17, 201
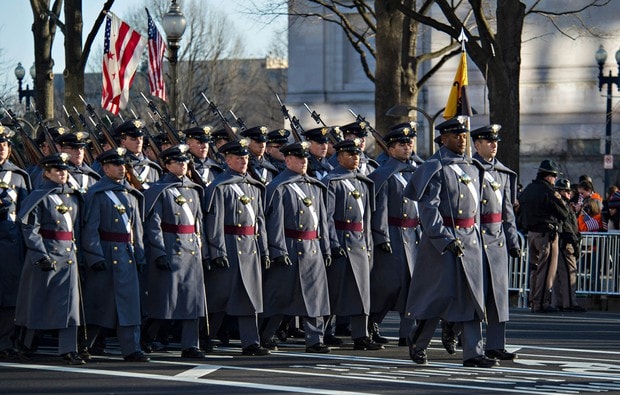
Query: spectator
610, 191
614, 214
590, 218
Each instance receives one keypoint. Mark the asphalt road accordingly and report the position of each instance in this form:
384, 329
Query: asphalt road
574, 353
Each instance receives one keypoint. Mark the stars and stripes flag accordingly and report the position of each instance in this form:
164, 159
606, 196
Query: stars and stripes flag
156, 48
122, 50
591, 223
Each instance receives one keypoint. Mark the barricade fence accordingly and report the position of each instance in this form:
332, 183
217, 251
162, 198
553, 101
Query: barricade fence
597, 267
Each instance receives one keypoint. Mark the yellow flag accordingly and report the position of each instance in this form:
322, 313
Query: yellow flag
458, 103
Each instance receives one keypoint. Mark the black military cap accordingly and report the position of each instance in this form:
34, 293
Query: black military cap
320, 135
78, 139
401, 133
161, 139
299, 149
54, 131
200, 133
456, 125
356, 128
219, 135
278, 136
562, 184
55, 161
549, 166
257, 133
177, 153
115, 156
489, 132
354, 146
237, 147
132, 128
6, 134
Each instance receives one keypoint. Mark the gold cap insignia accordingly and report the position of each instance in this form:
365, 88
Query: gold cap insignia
138, 124
120, 151
363, 125
324, 131
282, 132
206, 129
305, 145
64, 157
6, 132
357, 142
183, 148
243, 142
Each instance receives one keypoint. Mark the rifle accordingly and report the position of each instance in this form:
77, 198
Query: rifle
94, 138
46, 133
239, 121
32, 150
227, 126
88, 156
150, 141
129, 173
333, 137
378, 138
296, 128
192, 118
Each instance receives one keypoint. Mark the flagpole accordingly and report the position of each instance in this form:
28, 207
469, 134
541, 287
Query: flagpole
463, 40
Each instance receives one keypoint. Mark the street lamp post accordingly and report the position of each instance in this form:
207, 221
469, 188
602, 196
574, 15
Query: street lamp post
601, 57
27, 93
174, 25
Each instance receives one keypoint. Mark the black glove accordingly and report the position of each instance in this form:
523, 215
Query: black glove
515, 252
221, 262
385, 247
140, 268
163, 263
46, 264
283, 260
206, 264
327, 259
266, 261
455, 247
98, 266
338, 252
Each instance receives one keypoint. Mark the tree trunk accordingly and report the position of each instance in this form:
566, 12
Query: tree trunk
73, 73
43, 30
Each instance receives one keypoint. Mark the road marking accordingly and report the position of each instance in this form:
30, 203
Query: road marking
198, 371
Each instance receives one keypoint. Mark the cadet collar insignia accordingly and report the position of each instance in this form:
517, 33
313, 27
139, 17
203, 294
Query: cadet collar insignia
180, 200
282, 132
120, 208
82, 190
308, 201
245, 199
305, 145
495, 185
356, 194
62, 208
138, 124
243, 142
324, 131
357, 142
121, 151
465, 178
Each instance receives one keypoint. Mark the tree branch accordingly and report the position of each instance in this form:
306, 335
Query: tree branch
93, 33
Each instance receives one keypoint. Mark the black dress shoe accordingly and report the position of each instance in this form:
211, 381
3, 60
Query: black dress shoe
318, 348
480, 362
137, 356
402, 342
296, 333
256, 350
366, 344
332, 340
9, 353
448, 337
501, 355
85, 355
418, 355
269, 344
377, 338
192, 353
73, 358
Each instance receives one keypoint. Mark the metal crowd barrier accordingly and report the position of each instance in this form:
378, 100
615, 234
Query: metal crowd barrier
597, 267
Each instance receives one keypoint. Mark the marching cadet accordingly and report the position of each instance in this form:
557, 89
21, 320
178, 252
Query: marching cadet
447, 278
350, 200
395, 233
219, 137
357, 130
296, 283
49, 292
499, 235
276, 139
235, 225
198, 140
34, 171
114, 252
318, 165
131, 137
14, 187
259, 167
174, 231
81, 176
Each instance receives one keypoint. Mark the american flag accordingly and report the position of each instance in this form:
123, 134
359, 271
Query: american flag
591, 223
156, 47
122, 49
